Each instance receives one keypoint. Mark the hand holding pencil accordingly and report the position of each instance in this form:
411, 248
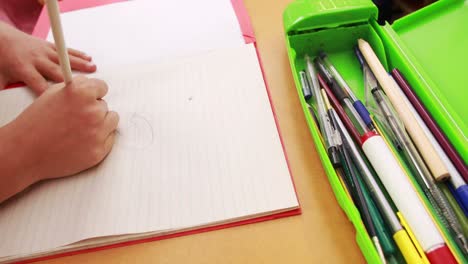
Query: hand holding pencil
67, 129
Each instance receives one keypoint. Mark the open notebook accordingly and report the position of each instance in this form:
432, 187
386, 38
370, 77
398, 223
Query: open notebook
197, 146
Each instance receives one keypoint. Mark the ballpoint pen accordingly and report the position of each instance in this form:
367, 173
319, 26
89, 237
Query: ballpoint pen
357, 104
325, 126
423, 175
400, 235
419, 168
396, 181
432, 159
414, 160
340, 94
449, 156
353, 184
305, 85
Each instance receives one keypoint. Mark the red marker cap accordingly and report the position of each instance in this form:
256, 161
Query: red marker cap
368, 135
441, 255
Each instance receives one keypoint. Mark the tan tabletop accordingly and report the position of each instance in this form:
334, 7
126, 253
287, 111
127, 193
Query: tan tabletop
321, 234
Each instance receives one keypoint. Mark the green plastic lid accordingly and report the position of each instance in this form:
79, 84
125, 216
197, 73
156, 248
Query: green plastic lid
303, 15
437, 38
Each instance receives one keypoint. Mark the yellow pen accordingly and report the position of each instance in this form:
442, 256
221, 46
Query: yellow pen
409, 243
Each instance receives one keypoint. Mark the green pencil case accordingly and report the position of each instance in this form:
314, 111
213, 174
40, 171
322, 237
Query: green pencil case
428, 47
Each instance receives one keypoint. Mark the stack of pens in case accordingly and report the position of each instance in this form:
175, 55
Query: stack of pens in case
403, 176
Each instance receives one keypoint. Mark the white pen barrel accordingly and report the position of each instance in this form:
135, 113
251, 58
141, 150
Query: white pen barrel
402, 192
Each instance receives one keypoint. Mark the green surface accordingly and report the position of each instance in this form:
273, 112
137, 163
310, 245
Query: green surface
436, 40
303, 15
335, 26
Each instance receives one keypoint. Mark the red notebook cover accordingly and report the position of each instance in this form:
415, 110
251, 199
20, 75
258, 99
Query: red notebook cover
42, 29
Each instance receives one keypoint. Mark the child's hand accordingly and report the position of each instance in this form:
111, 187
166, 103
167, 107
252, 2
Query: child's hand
31, 60
64, 131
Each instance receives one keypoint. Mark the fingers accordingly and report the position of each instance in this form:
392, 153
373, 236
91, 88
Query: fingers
100, 88
78, 63
82, 65
102, 110
110, 140
73, 52
34, 80
50, 70
79, 54
111, 122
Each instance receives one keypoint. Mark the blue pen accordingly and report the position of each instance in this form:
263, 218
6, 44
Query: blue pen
357, 104
457, 197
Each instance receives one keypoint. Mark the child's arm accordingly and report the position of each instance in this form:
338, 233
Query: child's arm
31, 60
64, 131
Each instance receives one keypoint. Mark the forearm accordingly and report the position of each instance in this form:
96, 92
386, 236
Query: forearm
13, 174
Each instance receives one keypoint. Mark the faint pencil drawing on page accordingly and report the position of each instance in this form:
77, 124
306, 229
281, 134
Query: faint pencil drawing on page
135, 131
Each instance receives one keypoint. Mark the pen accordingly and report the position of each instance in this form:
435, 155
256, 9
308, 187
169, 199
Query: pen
400, 235
56, 25
435, 164
305, 85
354, 186
339, 93
452, 160
396, 181
420, 170
324, 121
357, 104
438, 134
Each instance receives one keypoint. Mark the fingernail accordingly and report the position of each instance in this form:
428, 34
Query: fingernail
90, 64
87, 56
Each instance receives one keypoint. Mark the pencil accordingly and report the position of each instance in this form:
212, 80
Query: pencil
437, 167
395, 179
56, 25
429, 121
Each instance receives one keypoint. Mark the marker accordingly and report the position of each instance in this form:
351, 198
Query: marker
425, 180
414, 160
395, 179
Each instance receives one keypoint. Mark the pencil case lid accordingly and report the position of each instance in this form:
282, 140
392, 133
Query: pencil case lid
433, 43
314, 15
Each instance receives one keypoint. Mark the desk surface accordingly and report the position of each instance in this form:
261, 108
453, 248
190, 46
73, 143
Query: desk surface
322, 234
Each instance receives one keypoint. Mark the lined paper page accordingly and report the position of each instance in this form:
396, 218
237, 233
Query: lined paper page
197, 144
150, 30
